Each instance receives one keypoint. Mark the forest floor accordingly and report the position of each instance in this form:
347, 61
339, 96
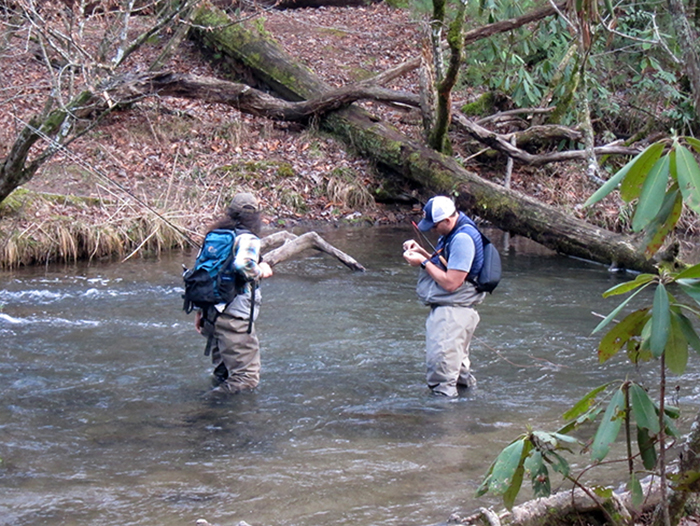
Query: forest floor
183, 160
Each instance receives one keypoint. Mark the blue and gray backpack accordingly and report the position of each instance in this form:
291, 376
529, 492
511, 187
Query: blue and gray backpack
212, 281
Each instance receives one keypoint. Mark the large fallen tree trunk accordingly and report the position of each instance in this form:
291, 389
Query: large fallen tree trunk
132, 87
262, 58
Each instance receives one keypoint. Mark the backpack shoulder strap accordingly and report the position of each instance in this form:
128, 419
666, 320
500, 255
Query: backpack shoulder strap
467, 226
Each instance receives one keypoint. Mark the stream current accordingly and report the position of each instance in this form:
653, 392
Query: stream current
105, 417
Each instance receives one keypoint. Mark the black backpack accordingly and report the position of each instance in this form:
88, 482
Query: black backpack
489, 276
212, 280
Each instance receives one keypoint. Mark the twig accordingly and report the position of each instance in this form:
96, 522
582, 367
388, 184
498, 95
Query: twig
155, 230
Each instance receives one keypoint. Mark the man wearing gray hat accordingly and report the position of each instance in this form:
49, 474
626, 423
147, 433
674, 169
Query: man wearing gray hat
235, 349
444, 287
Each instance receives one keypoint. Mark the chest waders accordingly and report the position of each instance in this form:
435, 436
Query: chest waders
210, 314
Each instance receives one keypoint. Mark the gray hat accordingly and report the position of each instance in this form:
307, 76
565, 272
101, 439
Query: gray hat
244, 202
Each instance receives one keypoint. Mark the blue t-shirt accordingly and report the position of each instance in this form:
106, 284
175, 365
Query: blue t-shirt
461, 252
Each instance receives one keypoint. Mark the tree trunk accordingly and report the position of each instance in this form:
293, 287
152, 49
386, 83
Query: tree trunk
689, 45
507, 209
438, 137
250, 100
15, 169
567, 507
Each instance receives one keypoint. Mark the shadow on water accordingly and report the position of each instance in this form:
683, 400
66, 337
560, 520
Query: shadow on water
106, 417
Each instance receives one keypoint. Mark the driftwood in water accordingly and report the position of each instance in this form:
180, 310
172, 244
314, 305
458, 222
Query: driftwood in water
567, 507
292, 245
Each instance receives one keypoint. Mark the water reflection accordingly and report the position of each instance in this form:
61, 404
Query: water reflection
106, 420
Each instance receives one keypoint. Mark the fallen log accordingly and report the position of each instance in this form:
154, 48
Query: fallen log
128, 88
293, 245
511, 211
132, 87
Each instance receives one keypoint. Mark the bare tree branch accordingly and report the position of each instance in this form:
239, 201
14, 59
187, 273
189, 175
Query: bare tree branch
513, 23
502, 144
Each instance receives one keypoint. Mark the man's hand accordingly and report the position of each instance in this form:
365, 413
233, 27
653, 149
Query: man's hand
413, 257
265, 270
411, 245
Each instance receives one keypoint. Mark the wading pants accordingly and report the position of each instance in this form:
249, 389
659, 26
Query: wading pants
238, 352
448, 333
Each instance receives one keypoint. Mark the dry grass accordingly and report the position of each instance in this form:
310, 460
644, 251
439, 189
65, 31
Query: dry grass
347, 190
70, 237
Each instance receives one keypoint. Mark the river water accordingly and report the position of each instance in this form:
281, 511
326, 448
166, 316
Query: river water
105, 417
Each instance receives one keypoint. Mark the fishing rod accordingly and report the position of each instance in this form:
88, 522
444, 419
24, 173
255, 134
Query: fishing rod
426, 240
96, 171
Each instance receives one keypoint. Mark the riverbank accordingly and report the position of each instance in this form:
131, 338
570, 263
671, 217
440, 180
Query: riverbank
99, 214
149, 178
153, 177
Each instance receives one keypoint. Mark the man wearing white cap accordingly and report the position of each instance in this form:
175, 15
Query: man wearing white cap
443, 285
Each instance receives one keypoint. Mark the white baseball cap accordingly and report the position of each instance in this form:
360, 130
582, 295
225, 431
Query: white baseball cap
435, 210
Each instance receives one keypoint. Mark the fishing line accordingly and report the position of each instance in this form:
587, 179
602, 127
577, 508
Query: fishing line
100, 175
502, 357
423, 236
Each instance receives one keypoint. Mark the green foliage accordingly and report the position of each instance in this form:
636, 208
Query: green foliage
624, 334
662, 329
520, 63
688, 175
527, 455
531, 455
652, 195
631, 81
660, 184
658, 181
609, 427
